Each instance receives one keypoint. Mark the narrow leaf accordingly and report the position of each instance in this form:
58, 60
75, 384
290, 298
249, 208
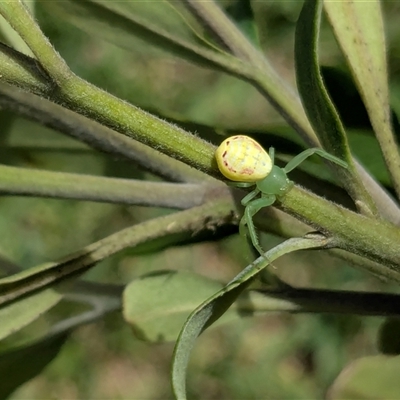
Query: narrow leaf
214, 307
320, 110
22, 364
164, 24
358, 27
19, 314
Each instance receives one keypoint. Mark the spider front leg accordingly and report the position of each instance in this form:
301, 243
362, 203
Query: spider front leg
252, 208
296, 161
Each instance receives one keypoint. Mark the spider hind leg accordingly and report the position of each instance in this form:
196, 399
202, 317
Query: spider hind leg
252, 208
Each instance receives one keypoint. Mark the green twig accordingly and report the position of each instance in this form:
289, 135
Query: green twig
23, 71
296, 300
104, 299
367, 237
275, 221
168, 229
62, 185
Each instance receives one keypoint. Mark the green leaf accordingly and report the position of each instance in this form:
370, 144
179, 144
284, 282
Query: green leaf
198, 321
214, 307
157, 305
374, 377
21, 364
318, 105
319, 108
19, 314
165, 24
358, 28
366, 149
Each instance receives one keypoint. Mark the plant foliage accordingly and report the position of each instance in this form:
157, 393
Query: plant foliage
113, 207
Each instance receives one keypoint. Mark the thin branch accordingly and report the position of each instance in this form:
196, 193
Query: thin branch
167, 229
62, 185
104, 298
23, 71
319, 301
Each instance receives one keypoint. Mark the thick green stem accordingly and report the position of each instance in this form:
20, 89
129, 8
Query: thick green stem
138, 124
95, 135
368, 237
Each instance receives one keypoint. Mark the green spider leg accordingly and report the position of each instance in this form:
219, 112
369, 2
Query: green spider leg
296, 161
252, 208
245, 202
250, 196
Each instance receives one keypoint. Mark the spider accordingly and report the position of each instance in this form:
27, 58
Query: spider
244, 161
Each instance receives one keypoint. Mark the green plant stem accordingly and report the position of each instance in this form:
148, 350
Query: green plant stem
40, 183
139, 125
19, 17
368, 237
170, 229
273, 220
373, 235
23, 71
185, 147
131, 121
319, 301
104, 299
94, 134
87, 100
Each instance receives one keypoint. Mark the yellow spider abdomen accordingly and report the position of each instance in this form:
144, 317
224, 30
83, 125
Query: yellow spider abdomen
242, 159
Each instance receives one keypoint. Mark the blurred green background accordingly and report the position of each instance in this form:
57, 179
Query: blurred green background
274, 357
